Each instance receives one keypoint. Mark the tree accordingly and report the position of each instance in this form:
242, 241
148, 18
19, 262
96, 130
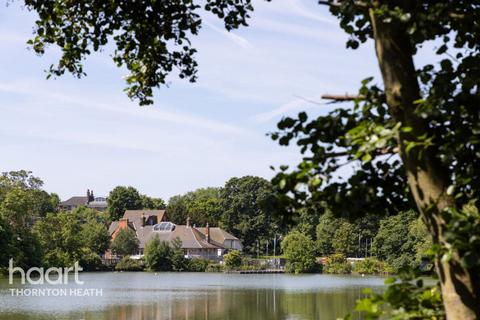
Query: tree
158, 255
5, 243
233, 259
121, 199
60, 238
401, 241
307, 222
414, 138
247, 212
152, 203
425, 118
18, 211
202, 206
67, 237
339, 235
177, 209
299, 250
345, 239
151, 38
95, 233
125, 242
179, 262
326, 228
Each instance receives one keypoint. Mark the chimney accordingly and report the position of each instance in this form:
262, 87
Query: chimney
123, 223
188, 222
143, 219
207, 232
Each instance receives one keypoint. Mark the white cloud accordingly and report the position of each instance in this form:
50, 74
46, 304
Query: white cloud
238, 40
296, 104
39, 91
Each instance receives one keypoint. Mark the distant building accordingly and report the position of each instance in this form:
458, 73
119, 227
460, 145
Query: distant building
207, 242
89, 201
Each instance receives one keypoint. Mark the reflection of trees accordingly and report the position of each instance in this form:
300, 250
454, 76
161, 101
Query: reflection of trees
240, 305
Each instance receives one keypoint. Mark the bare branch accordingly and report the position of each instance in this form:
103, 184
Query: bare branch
340, 98
336, 3
384, 151
308, 100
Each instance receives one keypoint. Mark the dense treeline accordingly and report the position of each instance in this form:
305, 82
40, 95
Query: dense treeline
22, 202
34, 232
243, 207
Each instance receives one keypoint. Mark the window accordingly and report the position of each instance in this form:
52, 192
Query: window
164, 227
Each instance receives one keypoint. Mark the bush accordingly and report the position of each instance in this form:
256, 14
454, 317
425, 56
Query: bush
233, 259
179, 262
215, 267
299, 249
90, 261
128, 264
337, 264
197, 265
158, 255
125, 242
402, 241
371, 266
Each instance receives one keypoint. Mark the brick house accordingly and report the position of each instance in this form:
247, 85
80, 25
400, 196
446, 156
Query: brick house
207, 242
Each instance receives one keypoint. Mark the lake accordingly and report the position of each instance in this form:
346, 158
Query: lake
142, 295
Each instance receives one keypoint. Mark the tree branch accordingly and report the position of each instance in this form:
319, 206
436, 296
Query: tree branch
336, 3
340, 98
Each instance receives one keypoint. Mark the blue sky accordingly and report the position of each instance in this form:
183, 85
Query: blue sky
79, 134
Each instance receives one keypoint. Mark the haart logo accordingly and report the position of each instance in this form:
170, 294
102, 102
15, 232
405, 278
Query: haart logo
53, 276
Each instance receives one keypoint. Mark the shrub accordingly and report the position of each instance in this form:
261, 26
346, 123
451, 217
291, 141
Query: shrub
299, 249
371, 266
179, 262
197, 265
233, 259
90, 261
125, 242
337, 264
215, 267
158, 255
128, 264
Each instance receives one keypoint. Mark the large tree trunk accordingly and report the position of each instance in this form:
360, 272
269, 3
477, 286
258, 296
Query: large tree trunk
427, 179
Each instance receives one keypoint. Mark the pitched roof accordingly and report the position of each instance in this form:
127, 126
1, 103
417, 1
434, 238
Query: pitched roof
191, 237
113, 226
218, 234
137, 214
75, 201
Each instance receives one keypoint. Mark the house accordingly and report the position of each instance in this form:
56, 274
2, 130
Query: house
207, 242
89, 201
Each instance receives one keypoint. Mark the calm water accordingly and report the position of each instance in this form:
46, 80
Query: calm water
193, 296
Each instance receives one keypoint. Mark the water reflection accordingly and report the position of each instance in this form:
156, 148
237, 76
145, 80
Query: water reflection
198, 296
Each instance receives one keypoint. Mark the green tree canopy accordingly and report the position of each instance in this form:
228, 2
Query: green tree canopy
151, 39
152, 203
247, 212
125, 242
123, 198
22, 201
67, 237
345, 239
202, 206
326, 228
401, 240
